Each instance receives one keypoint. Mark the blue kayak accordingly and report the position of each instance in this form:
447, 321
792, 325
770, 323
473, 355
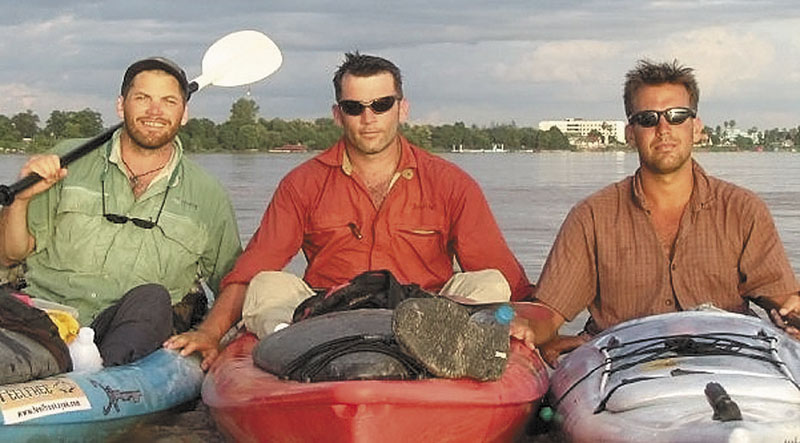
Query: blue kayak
97, 406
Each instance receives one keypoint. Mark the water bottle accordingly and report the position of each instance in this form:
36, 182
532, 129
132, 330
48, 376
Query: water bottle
493, 323
84, 353
502, 315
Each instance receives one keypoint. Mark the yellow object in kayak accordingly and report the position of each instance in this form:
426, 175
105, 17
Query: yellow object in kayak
68, 327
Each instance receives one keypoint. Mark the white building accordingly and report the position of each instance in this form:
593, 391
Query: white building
577, 127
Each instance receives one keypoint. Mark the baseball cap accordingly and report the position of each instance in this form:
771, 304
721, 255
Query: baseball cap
150, 63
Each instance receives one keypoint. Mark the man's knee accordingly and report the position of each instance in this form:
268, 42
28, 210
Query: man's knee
488, 285
271, 299
136, 326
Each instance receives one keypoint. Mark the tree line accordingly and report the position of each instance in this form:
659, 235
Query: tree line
245, 130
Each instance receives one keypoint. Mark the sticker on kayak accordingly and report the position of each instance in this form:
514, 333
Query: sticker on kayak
39, 398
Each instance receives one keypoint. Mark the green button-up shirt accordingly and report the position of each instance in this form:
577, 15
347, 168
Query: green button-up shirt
84, 261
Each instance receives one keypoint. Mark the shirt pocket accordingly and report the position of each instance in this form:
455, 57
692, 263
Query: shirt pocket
80, 239
427, 240
327, 230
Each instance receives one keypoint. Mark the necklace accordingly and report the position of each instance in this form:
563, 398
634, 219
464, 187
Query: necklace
134, 178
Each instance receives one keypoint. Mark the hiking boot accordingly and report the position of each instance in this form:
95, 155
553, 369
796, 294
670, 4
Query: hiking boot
449, 340
189, 311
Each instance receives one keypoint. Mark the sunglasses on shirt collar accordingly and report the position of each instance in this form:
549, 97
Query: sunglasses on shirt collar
122, 219
673, 116
379, 105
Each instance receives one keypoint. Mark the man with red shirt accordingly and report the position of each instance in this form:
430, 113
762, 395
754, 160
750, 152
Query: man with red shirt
372, 201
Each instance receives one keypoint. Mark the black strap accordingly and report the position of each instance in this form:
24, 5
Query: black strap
308, 365
371, 289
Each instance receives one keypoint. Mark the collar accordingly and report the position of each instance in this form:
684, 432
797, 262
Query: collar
114, 155
336, 156
701, 196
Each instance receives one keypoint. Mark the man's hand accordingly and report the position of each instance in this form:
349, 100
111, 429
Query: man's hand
562, 344
196, 341
227, 310
788, 317
46, 166
521, 330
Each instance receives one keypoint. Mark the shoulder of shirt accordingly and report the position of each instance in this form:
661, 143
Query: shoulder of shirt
731, 194
66, 145
608, 194
312, 167
432, 165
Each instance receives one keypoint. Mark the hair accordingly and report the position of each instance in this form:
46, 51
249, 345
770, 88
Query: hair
647, 73
362, 65
162, 64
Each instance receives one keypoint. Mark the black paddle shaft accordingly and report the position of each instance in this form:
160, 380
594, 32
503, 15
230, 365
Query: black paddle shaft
7, 193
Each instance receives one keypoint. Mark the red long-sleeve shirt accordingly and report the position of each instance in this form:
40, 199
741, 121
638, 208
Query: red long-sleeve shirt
433, 212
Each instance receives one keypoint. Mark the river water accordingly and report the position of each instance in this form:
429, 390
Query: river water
529, 194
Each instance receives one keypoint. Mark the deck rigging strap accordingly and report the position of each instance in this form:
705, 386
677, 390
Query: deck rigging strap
682, 345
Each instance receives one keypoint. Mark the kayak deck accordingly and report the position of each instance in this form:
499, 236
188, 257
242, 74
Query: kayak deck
95, 406
250, 404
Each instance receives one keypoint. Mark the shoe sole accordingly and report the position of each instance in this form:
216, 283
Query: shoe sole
450, 343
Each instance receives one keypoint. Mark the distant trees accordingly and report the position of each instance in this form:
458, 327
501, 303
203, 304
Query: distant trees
713, 135
22, 132
8, 133
246, 130
27, 123
73, 124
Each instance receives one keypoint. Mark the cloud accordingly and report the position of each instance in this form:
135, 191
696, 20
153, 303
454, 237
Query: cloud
464, 60
18, 97
726, 60
575, 61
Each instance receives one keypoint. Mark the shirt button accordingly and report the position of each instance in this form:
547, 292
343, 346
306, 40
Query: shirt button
668, 302
674, 266
94, 295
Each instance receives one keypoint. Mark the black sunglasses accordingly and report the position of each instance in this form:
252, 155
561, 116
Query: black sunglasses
673, 116
378, 106
122, 219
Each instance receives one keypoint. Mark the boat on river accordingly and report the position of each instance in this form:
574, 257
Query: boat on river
251, 404
694, 376
98, 406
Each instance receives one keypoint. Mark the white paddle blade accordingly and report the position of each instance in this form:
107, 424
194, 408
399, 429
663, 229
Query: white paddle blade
239, 58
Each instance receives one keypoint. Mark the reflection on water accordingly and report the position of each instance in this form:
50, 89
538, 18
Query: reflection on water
529, 193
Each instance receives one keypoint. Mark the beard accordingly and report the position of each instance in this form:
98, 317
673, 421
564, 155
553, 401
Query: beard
665, 162
152, 138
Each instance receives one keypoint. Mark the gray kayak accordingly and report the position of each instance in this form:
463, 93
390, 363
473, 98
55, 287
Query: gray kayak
694, 376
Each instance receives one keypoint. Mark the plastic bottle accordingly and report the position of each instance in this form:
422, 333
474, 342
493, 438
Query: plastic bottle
84, 353
492, 338
502, 315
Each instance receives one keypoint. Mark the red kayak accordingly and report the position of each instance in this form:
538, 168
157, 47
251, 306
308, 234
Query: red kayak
251, 405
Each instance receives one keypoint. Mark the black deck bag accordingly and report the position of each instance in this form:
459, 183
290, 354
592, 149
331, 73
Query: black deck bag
371, 289
344, 334
347, 345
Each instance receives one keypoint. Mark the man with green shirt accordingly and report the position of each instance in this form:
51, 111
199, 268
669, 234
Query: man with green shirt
131, 227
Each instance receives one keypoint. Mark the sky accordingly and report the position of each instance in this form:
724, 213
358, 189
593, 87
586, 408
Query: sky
475, 61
